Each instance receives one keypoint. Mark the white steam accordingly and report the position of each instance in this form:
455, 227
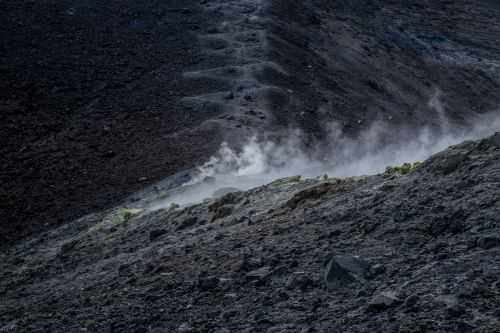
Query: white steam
261, 161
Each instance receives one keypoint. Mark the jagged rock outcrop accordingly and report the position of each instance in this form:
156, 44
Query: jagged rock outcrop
420, 251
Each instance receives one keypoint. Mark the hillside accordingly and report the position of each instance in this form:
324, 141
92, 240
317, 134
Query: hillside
225, 166
100, 99
413, 252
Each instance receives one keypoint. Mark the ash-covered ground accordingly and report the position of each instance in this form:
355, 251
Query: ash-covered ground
99, 99
413, 252
111, 111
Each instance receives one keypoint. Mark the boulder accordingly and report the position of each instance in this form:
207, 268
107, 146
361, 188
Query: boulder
208, 283
185, 328
187, 223
222, 212
259, 274
488, 242
299, 280
345, 269
224, 191
156, 233
384, 301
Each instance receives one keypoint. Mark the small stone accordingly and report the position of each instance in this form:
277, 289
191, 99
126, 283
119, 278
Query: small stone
229, 314
362, 293
334, 233
108, 154
223, 330
280, 270
187, 223
230, 198
411, 301
376, 270
343, 270
384, 301
222, 212
224, 191
225, 284
210, 30
185, 328
10, 327
220, 236
208, 283
453, 307
155, 234
463, 326
259, 274
68, 246
455, 311
299, 280
488, 242
439, 247
173, 206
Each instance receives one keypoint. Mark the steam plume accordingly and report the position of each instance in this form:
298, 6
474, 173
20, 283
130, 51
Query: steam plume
261, 160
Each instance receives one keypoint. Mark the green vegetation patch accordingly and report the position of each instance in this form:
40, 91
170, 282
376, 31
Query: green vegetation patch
287, 180
404, 169
125, 214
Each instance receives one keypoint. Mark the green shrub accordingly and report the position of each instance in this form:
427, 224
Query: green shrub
124, 215
404, 169
173, 206
287, 180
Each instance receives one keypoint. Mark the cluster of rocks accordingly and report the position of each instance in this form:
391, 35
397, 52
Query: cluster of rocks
373, 254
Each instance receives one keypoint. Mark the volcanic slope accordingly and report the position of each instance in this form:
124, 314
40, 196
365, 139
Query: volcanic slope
418, 252
105, 98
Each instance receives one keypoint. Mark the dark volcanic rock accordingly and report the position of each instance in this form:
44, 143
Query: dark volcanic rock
187, 223
299, 280
343, 270
68, 246
208, 283
247, 277
222, 212
259, 274
489, 241
384, 301
157, 233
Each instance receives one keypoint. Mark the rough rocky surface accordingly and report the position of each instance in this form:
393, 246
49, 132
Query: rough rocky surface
90, 104
418, 252
99, 98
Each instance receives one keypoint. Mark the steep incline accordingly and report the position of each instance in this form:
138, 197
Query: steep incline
353, 62
90, 104
100, 99
388, 253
